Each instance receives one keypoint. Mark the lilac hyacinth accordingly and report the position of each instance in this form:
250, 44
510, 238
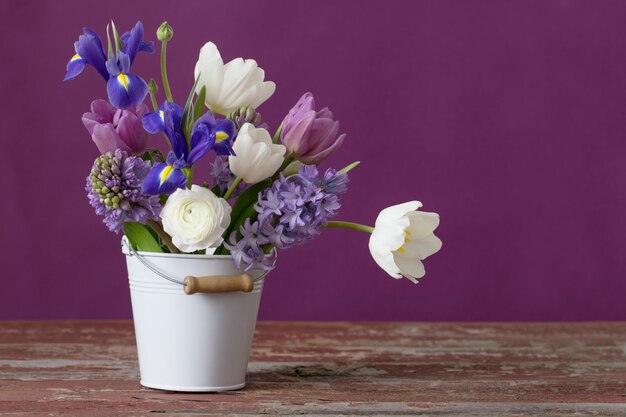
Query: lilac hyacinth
249, 251
290, 213
114, 190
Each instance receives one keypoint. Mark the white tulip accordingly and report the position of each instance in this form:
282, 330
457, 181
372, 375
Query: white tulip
229, 87
195, 219
402, 238
256, 157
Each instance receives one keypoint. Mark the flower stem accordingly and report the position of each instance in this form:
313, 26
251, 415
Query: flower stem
189, 174
350, 225
155, 105
232, 188
165, 238
288, 159
166, 84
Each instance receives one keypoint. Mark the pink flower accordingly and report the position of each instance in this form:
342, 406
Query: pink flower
112, 128
310, 135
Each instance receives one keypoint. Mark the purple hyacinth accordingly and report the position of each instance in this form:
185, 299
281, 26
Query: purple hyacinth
224, 178
290, 213
114, 190
250, 249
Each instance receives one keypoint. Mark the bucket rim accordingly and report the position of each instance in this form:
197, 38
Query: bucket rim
177, 255
183, 255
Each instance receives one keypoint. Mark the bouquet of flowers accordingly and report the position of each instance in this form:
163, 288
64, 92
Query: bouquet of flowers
266, 192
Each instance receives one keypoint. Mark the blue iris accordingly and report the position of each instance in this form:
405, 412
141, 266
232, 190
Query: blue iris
89, 50
124, 89
207, 133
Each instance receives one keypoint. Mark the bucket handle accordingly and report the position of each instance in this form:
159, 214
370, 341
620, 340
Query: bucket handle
218, 283
209, 284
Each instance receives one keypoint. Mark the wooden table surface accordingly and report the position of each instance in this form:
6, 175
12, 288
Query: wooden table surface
89, 368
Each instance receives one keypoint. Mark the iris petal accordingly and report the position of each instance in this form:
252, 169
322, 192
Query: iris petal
225, 133
153, 122
133, 41
75, 66
202, 137
123, 62
163, 179
146, 47
112, 68
89, 47
129, 90
172, 119
201, 141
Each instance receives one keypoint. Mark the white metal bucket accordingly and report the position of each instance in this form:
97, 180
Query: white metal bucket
199, 342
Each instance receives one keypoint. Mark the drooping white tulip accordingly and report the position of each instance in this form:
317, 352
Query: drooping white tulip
230, 86
256, 157
402, 238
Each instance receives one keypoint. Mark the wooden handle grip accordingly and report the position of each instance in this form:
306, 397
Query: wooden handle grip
219, 283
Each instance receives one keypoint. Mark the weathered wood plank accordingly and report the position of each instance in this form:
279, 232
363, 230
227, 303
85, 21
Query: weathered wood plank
439, 369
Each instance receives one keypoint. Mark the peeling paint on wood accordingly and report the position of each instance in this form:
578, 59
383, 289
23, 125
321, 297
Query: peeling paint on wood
320, 369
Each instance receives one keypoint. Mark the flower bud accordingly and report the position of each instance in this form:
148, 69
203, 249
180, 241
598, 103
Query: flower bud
152, 87
165, 32
245, 115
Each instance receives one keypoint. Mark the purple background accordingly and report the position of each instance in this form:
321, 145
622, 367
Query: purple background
506, 117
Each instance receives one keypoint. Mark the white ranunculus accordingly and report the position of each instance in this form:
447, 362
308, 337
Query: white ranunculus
402, 238
256, 157
195, 219
229, 87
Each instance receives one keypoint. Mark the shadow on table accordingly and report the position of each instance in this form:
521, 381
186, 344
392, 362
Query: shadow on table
317, 373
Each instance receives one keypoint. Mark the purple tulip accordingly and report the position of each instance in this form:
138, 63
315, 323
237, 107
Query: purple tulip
112, 128
310, 135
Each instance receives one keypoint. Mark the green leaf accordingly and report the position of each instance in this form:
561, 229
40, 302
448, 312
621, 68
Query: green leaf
198, 107
248, 213
248, 198
349, 167
216, 190
186, 120
116, 39
157, 155
140, 237
153, 155
277, 134
243, 209
109, 45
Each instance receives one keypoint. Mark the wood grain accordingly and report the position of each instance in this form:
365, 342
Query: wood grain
217, 284
321, 369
